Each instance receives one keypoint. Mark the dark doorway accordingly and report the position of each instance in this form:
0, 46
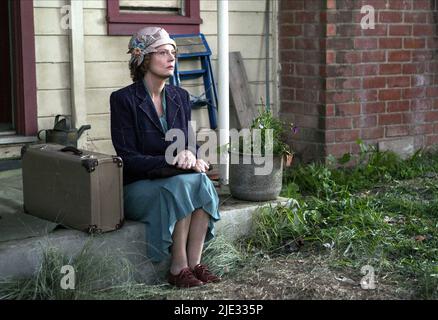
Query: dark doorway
18, 99
7, 123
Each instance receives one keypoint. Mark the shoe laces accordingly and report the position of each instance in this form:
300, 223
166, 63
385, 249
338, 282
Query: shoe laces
203, 270
187, 274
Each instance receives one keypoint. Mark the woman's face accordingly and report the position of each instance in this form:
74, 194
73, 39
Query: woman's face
162, 62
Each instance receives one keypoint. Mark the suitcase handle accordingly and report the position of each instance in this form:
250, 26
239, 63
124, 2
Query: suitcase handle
76, 151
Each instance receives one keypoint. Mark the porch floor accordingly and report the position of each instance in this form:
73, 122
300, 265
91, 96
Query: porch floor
23, 238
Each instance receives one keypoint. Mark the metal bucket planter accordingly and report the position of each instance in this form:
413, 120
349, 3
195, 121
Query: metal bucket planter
244, 184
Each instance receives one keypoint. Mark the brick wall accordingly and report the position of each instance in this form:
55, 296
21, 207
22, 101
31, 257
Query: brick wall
379, 85
302, 58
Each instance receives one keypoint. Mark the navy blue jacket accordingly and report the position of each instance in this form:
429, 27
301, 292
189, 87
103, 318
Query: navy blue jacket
136, 130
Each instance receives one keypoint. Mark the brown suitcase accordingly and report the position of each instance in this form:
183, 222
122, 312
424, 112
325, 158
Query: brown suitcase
76, 188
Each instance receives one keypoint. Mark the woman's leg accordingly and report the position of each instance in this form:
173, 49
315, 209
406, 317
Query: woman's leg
179, 246
196, 236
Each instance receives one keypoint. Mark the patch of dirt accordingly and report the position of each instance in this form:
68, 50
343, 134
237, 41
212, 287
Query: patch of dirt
291, 278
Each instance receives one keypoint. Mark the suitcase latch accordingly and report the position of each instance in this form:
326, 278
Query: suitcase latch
118, 160
90, 164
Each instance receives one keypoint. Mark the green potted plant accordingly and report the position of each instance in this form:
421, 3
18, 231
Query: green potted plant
258, 174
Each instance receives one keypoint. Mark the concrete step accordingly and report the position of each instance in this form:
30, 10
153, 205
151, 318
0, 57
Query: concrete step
11, 151
22, 257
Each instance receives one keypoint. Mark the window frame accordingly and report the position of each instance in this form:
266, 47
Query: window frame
128, 23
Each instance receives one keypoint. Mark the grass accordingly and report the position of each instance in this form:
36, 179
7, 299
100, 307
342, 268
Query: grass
92, 274
382, 212
104, 277
224, 257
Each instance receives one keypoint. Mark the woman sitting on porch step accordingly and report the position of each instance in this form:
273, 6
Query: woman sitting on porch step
179, 211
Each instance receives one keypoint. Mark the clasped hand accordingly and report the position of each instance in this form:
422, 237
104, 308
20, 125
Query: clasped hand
186, 160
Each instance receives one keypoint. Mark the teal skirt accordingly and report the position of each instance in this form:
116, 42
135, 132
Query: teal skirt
160, 203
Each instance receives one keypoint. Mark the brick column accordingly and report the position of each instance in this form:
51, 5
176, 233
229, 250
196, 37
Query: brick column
302, 58
379, 85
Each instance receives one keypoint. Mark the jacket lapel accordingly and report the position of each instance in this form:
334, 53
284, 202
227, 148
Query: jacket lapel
173, 105
146, 105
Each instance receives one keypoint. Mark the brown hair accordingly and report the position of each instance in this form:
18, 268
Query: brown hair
138, 72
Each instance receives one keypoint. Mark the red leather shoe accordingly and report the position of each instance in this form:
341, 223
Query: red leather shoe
202, 273
185, 279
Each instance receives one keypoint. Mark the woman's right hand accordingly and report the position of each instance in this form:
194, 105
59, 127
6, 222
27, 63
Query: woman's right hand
185, 160
201, 166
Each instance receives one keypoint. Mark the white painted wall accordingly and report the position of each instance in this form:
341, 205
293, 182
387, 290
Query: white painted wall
52, 62
106, 61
